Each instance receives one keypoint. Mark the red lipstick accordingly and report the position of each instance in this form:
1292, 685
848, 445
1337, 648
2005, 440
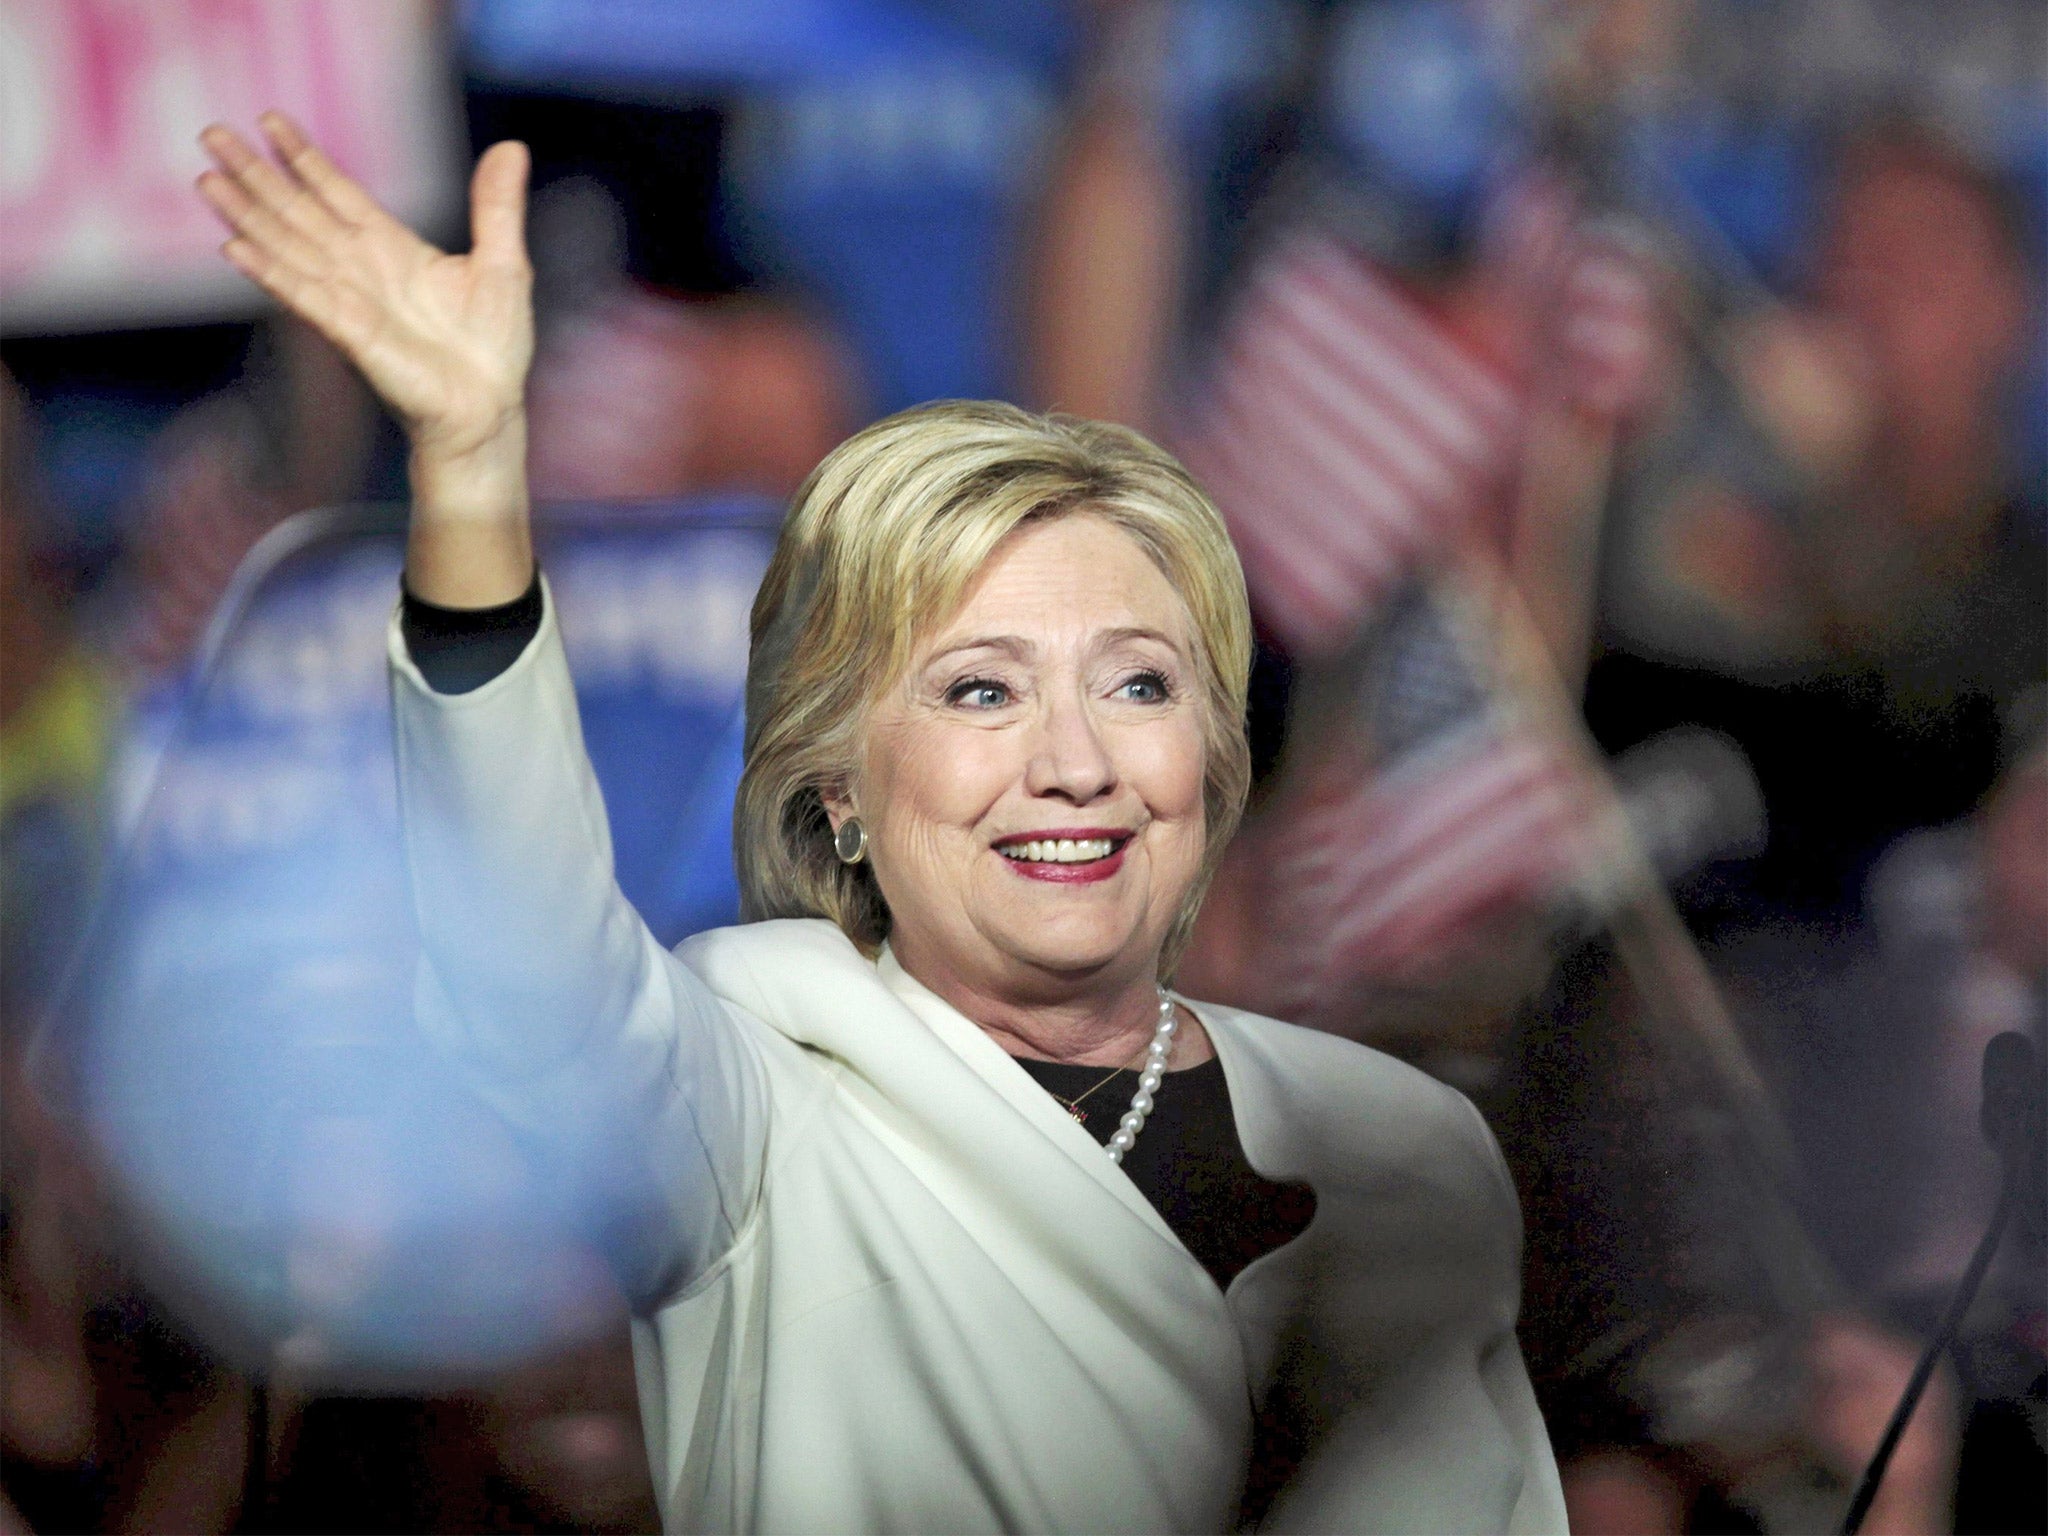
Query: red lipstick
1086, 872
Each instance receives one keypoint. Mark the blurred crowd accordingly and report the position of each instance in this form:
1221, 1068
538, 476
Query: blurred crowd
1633, 416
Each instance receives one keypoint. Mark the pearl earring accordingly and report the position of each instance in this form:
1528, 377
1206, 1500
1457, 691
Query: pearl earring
850, 842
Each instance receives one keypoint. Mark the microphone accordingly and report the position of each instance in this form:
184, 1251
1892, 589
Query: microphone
2012, 1122
2012, 1119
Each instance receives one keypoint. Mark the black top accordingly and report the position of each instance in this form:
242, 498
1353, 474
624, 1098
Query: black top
1188, 1160
458, 650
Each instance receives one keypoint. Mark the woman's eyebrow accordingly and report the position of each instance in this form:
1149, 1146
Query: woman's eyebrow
1015, 646
1138, 632
1021, 649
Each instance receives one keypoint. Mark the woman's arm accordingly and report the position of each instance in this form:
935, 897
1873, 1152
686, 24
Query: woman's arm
540, 978
538, 975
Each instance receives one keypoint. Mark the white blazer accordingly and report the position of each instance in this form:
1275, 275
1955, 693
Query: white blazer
888, 1283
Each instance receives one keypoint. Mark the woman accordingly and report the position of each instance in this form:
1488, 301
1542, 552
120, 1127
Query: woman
960, 1219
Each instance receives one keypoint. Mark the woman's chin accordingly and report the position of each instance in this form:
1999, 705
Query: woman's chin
1076, 943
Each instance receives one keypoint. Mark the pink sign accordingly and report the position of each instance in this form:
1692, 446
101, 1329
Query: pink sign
100, 103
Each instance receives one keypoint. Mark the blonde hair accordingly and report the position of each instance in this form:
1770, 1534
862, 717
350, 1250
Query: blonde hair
880, 547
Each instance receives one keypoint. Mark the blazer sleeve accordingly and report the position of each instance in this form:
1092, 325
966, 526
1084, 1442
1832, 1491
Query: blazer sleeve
1539, 1508
540, 980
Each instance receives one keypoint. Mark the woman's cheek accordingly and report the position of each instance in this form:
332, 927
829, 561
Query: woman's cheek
914, 764
1166, 769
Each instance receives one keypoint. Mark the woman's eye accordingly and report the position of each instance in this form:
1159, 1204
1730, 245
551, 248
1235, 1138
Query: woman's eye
978, 693
1145, 688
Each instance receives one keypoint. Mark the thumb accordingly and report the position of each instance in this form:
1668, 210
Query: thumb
497, 204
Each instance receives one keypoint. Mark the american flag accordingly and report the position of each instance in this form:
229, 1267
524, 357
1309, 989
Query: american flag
1588, 279
1467, 809
1363, 455
1348, 440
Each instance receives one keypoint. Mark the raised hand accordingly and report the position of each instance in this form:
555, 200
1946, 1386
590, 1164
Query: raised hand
444, 340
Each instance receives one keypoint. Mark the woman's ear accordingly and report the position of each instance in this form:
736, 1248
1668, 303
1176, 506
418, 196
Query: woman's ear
837, 799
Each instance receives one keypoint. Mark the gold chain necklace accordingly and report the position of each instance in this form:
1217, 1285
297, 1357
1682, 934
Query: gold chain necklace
1156, 1052
1073, 1105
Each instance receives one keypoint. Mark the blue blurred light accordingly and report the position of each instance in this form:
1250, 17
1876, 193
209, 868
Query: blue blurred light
1420, 95
308, 1174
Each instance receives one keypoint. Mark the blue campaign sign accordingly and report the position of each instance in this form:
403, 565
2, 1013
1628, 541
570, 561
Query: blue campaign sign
898, 196
661, 48
310, 1175
880, 156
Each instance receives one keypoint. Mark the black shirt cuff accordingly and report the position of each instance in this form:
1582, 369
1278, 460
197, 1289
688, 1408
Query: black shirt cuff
458, 650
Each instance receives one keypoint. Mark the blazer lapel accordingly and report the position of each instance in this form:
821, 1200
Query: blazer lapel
995, 1138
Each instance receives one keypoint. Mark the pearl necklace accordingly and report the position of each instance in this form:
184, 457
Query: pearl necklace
1149, 1080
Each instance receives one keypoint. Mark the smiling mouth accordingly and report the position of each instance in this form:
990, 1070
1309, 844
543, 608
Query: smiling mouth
1063, 850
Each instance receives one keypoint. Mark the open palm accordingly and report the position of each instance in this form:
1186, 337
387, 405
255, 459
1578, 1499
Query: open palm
444, 340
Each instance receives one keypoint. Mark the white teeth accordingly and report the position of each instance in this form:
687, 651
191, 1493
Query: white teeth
1065, 850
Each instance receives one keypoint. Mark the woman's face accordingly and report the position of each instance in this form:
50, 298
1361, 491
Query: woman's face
1032, 787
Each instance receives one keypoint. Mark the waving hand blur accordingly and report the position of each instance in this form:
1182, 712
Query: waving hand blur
444, 340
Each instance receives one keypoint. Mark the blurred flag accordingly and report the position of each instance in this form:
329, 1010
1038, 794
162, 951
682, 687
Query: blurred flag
1347, 440
1369, 463
1587, 279
1466, 808
1350, 437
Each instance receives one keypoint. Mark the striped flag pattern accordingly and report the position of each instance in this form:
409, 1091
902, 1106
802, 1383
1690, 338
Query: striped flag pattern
1362, 456
1470, 812
1590, 281
1348, 440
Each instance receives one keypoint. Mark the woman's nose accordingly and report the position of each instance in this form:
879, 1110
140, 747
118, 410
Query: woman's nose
1069, 759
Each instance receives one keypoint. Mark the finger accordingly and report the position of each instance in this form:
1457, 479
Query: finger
256, 223
280, 192
336, 313
229, 149
497, 205
344, 197
294, 290
224, 195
